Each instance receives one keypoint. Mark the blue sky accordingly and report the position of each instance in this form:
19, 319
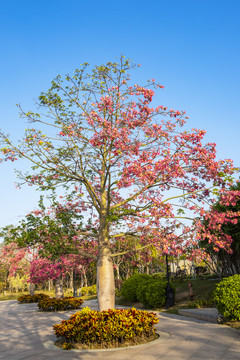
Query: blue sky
191, 47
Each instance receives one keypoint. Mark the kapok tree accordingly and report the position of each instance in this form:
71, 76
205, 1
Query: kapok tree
134, 166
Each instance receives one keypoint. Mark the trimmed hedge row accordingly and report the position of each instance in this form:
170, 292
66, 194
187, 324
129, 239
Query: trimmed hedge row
67, 303
32, 298
150, 290
90, 290
110, 327
227, 297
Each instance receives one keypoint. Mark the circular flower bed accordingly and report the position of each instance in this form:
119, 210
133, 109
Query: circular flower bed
32, 298
67, 303
88, 329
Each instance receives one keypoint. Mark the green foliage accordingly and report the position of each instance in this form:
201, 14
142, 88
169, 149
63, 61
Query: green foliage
201, 303
150, 290
63, 222
32, 298
67, 303
117, 292
156, 294
111, 327
227, 297
141, 289
129, 287
84, 291
18, 283
90, 290
160, 276
3, 286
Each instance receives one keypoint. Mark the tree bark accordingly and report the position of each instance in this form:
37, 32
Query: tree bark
105, 281
82, 281
85, 278
105, 273
59, 289
49, 285
118, 271
71, 285
31, 288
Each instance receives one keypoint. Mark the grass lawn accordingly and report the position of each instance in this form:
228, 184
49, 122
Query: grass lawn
202, 290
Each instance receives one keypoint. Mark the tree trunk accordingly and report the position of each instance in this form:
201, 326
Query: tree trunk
49, 285
59, 289
118, 272
82, 281
128, 273
85, 278
105, 281
71, 281
31, 288
105, 273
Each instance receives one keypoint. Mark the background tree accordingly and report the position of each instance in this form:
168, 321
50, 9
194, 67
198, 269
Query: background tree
14, 266
132, 165
225, 263
52, 234
148, 260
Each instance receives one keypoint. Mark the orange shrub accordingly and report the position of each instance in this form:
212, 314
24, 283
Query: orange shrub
67, 303
32, 298
111, 326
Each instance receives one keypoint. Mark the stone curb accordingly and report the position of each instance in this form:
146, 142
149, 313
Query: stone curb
204, 316
163, 336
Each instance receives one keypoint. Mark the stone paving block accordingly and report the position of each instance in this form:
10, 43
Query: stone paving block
24, 330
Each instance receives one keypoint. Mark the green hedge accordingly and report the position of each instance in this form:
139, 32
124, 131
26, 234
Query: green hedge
129, 287
150, 290
111, 327
90, 290
227, 297
67, 303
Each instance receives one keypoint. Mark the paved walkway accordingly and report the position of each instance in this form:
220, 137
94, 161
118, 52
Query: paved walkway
206, 314
25, 334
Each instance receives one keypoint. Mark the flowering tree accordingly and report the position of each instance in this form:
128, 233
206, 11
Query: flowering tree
15, 264
135, 169
52, 234
227, 212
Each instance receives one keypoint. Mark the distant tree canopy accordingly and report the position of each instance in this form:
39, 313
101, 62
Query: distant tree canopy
227, 263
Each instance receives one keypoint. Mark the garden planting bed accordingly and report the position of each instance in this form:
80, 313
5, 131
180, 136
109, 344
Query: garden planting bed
90, 329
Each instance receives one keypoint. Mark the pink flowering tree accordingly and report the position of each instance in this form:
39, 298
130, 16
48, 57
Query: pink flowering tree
222, 221
43, 269
15, 262
136, 168
53, 234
